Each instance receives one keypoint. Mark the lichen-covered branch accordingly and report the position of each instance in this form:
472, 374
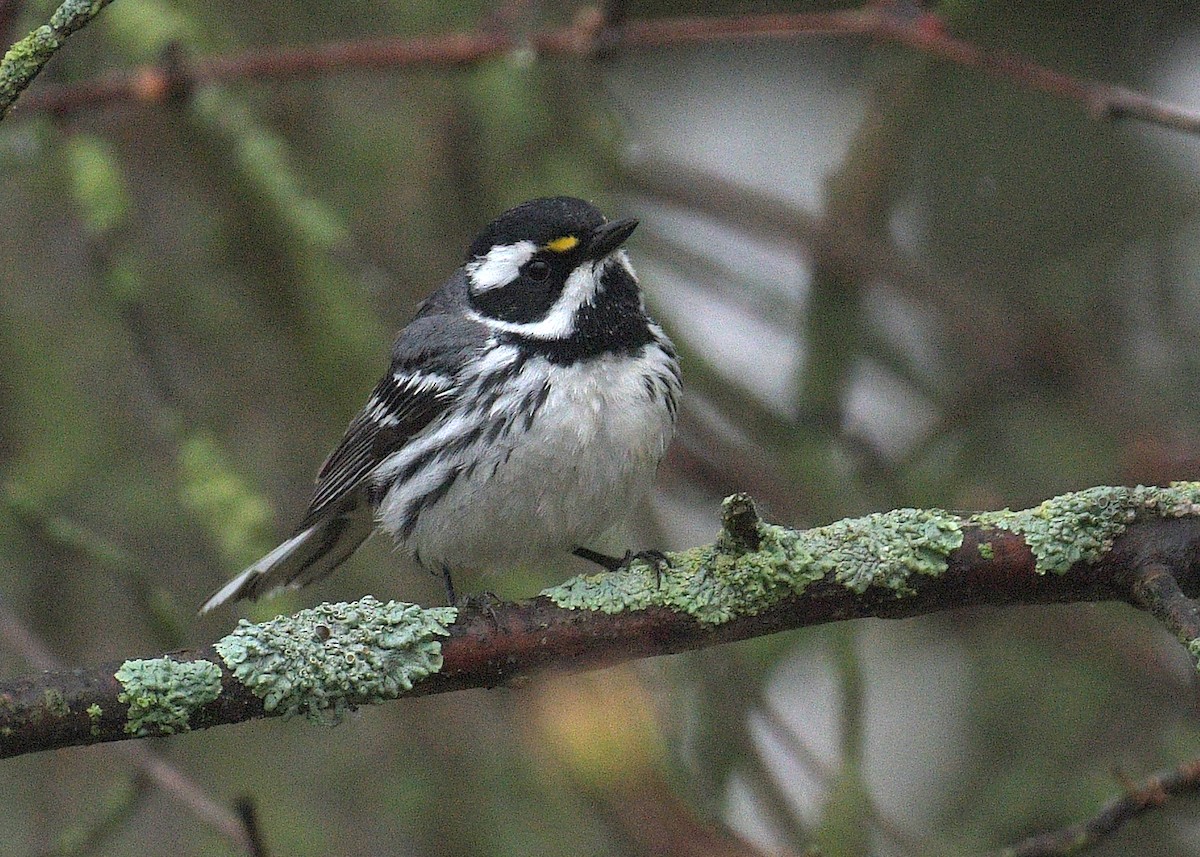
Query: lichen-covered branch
25, 59
754, 579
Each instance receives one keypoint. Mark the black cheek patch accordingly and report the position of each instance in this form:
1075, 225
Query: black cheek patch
522, 301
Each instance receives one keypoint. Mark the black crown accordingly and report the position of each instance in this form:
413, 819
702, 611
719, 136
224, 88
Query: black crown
539, 221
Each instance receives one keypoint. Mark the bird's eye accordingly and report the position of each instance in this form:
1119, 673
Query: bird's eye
538, 270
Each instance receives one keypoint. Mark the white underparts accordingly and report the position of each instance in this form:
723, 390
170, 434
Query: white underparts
550, 479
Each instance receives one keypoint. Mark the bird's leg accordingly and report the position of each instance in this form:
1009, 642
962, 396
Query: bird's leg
658, 559
451, 596
484, 601
609, 563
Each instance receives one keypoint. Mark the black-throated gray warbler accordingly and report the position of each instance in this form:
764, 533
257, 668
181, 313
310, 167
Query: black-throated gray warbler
525, 412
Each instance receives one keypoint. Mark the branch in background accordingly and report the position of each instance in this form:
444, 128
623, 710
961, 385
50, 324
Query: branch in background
1154, 588
1102, 100
152, 767
756, 579
247, 811
109, 812
826, 773
1138, 799
601, 731
880, 21
743, 208
25, 60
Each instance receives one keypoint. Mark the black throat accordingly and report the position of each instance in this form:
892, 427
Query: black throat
614, 323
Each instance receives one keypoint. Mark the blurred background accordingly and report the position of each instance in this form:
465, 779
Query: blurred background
894, 281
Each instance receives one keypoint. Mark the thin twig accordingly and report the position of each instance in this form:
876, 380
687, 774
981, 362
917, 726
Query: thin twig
1151, 794
26, 59
188, 793
247, 810
153, 767
876, 21
1154, 588
1102, 100
826, 774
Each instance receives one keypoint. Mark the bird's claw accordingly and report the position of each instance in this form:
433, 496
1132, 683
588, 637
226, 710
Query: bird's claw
656, 559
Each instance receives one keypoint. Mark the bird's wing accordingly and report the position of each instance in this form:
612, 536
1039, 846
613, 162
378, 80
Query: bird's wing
418, 388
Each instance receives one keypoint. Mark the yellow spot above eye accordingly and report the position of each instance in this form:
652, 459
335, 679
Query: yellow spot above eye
564, 244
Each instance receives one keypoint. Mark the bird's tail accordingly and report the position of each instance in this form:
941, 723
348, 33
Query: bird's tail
306, 557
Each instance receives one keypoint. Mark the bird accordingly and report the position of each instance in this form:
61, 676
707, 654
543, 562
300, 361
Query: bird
523, 416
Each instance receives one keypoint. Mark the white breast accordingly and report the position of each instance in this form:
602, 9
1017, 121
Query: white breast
588, 457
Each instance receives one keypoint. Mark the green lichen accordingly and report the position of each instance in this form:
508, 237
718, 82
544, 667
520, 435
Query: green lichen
73, 14
326, 660
55, 703
732, 578
721, 582
886, 549
94, 713
25, 59
162, 693
1081, 526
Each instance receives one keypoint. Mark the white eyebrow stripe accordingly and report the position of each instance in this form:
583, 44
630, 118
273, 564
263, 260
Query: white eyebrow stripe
500, 266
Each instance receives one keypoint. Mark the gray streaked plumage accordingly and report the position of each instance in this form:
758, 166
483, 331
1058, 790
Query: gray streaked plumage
525, 411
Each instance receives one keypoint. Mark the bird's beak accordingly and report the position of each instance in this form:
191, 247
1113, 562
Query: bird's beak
610, 236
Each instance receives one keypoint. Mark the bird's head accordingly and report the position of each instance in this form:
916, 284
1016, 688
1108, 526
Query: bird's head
535, 267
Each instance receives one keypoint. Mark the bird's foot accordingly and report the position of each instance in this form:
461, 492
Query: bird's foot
478, 601
654, 558
485, 602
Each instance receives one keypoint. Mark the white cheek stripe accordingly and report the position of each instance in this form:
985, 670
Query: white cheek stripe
500, 266
559, 322
621, 257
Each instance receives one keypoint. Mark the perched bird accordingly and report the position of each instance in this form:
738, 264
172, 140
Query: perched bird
524, 414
